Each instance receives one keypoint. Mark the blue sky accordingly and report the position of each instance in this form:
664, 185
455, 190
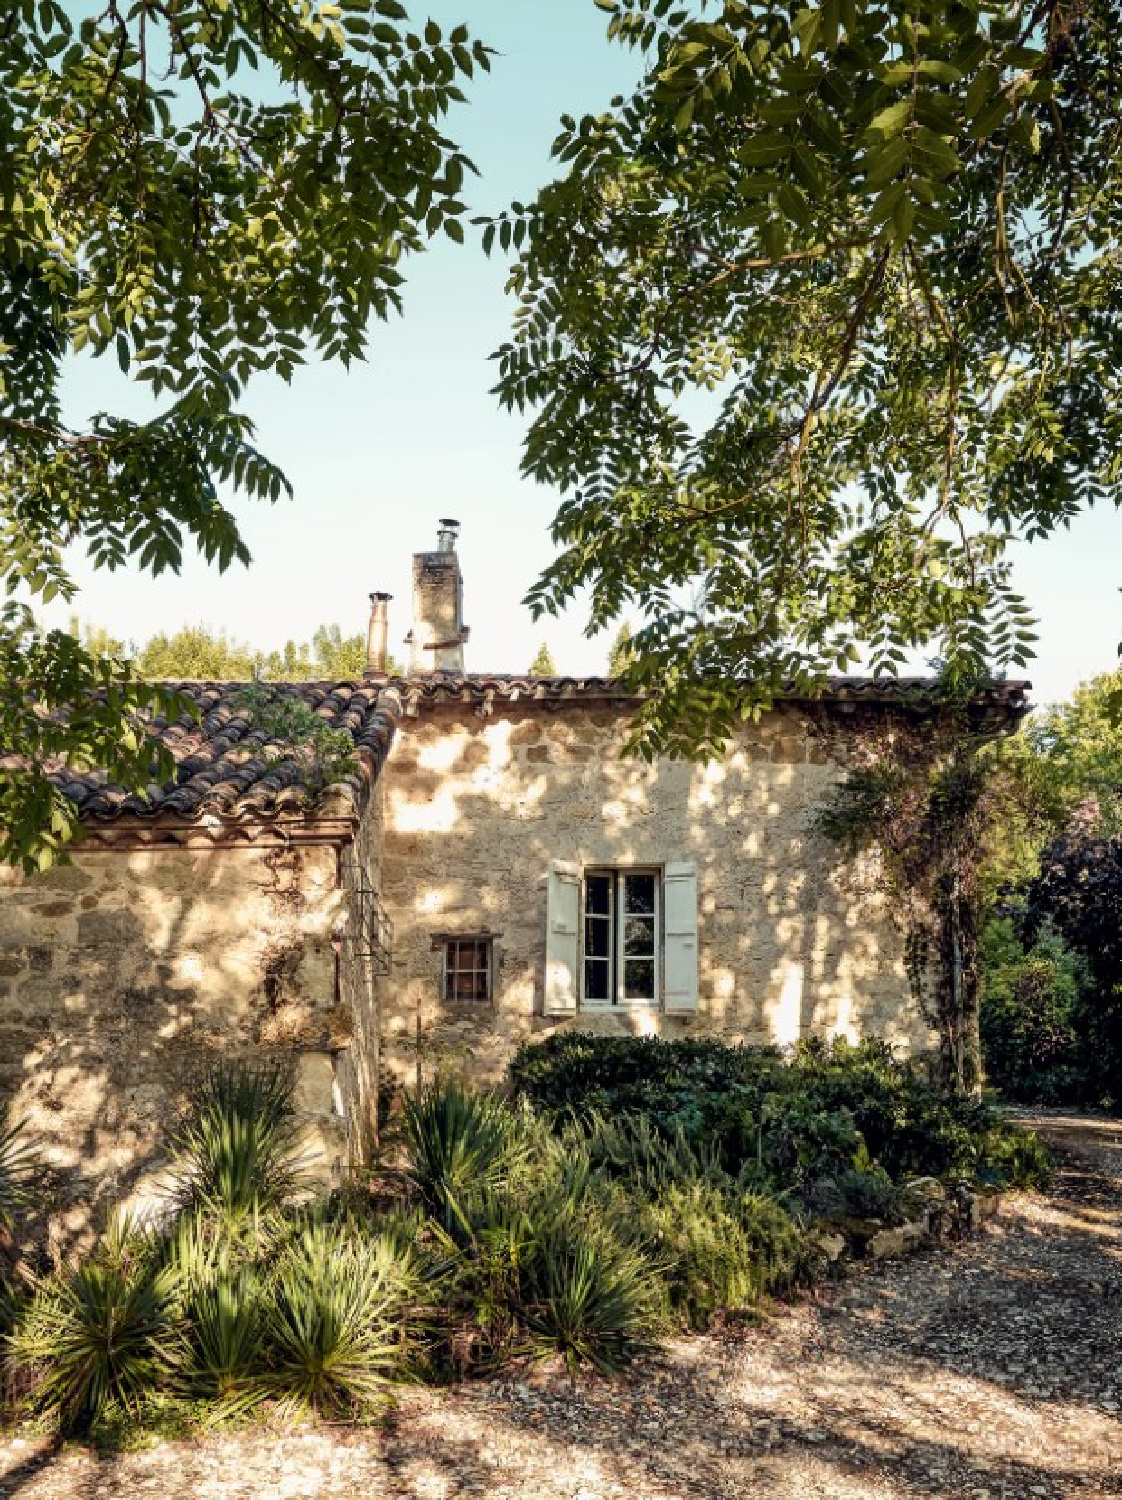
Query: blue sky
378, 453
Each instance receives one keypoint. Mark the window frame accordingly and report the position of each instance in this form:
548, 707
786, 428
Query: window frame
618, 876
449, 943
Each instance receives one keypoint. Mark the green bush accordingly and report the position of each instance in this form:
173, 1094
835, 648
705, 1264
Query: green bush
856, 1193
1031, 1019
97, 1334
781, 1124
717, 1250
235, 1155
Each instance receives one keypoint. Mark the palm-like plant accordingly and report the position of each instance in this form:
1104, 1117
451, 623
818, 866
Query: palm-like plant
235, 1154
459, 1141
331, 1322
589, 1298
98, 1333
18, 1167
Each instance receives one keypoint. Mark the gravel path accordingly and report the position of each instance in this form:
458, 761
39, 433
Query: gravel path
994, 1370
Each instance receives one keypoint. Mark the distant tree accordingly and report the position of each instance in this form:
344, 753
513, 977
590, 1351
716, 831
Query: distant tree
543, 664
198, 653
337, 655
97, 641
622, 653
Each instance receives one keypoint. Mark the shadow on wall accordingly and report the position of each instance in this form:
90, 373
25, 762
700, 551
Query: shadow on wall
792, 940
128, 976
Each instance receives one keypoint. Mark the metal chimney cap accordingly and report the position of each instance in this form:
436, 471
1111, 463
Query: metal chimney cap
446, 536
382, 596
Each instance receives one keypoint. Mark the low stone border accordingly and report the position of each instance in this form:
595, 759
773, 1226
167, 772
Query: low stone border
935, 1212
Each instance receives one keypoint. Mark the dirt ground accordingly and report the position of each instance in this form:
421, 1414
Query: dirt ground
989, 1372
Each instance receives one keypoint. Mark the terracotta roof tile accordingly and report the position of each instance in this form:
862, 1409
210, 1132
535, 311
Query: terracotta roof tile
227, 768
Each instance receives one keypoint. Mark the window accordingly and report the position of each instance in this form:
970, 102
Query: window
621, 937
467, 968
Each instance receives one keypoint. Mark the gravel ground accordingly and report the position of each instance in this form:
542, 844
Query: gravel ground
993, 1370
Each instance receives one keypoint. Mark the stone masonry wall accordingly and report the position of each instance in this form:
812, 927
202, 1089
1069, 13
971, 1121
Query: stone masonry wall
124, 975
792, 940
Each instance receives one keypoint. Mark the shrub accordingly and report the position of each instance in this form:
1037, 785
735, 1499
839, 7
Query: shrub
780, 1125
718, 1250
587, 1297
856, 1193
1078, 894
331, 1323
224, 1359
235, 1154
96, 1334
1031, 1004
458, 1141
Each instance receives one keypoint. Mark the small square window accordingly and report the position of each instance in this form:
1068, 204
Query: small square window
467, 969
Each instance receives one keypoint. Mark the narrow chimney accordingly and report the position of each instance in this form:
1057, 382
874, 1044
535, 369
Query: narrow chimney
377, 637
437, 639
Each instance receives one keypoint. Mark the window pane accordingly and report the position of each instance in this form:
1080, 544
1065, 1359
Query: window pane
598, 895
639, 937
639, 979
467, 969
597, 979
597, 937
639, 895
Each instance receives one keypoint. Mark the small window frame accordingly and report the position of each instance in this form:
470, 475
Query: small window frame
453, 971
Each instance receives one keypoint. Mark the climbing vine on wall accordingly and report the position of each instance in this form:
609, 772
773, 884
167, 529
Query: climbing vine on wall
927, 795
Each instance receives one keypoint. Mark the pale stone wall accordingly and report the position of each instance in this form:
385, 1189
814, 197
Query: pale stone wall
792, 940
124, 975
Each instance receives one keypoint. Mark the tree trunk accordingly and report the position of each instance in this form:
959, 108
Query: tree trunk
956, 999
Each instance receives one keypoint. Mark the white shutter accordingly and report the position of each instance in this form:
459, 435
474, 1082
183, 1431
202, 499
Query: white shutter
562, 942
680, 963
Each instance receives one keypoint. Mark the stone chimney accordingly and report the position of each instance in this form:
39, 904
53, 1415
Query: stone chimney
437, 639
378, 635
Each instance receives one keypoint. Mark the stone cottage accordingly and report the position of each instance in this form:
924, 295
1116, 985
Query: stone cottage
492, 870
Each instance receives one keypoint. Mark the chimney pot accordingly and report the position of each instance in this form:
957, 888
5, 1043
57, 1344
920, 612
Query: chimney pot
446, 536
377, 637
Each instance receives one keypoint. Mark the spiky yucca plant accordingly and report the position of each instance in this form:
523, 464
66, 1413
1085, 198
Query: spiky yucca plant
332, 1322
18, 1167
589, 1298
225, 1346
235, 1154
458, 1141
97, 1333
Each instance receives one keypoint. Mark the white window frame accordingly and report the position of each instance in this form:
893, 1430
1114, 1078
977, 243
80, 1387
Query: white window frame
618, 875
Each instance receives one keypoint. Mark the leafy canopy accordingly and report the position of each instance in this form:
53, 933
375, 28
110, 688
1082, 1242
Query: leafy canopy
821, 318
202, 190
